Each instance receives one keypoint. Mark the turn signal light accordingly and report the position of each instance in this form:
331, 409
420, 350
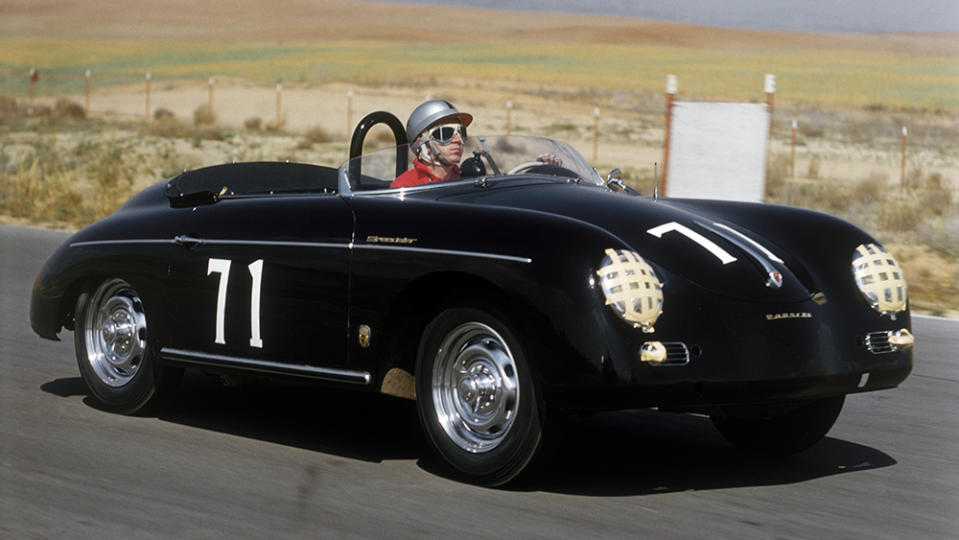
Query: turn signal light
901, 340
653, 352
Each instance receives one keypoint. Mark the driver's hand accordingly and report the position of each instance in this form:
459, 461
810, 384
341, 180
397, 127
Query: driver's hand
549, 159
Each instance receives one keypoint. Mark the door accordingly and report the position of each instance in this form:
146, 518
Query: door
263, 279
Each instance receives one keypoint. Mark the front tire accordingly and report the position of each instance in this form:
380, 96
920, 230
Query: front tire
476, 397
112, 348
784, 433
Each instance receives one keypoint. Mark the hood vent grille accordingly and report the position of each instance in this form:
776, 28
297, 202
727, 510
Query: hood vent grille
677, 354
878, 343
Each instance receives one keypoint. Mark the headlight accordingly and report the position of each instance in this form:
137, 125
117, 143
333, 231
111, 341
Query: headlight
632, 289
879, 278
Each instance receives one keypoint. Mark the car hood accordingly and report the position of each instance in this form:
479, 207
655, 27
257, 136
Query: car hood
720, 255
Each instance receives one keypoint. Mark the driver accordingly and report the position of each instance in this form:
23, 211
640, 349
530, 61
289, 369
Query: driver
437, 132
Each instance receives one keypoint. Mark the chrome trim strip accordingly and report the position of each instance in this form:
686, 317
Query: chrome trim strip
398, 193
759, 246
496, 256
264, 366
750, 247
119, 242
330, 245
278, 243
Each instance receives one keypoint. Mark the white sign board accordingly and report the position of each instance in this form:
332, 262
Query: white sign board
718, 151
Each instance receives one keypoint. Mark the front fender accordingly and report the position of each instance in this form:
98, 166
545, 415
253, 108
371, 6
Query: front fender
48, 313
543, 263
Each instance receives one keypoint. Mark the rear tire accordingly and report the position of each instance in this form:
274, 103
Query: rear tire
476, 397
113, 350
781, 434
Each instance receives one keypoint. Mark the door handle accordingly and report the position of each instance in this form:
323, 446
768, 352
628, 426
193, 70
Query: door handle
187, 240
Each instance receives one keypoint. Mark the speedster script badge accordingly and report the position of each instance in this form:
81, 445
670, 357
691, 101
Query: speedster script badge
389, 240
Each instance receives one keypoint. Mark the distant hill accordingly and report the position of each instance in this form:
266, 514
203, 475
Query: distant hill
285, 21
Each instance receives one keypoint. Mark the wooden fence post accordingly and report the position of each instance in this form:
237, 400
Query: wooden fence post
770, 88
86, 100
671, 88
792, 155
33, 80
210, 84
595, 133
146, 113
279, 103
902, 174
349, 112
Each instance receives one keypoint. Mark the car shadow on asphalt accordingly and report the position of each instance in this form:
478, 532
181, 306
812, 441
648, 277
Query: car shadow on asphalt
619, 453
359, 425
641, 452
366, 426
66, 387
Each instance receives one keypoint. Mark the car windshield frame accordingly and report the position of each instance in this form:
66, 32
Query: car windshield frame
514, 156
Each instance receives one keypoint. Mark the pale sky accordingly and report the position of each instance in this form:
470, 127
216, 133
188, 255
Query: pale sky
854, 16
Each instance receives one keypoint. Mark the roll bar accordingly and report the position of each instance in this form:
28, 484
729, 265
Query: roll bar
359, 136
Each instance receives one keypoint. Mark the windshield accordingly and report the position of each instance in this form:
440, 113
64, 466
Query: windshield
500, 156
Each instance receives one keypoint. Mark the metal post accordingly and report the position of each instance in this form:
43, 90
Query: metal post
509, 117
671, 88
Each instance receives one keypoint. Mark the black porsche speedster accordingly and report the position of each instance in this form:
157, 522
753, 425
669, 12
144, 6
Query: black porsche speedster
522, 290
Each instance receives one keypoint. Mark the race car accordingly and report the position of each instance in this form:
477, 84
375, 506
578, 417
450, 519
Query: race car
520, 292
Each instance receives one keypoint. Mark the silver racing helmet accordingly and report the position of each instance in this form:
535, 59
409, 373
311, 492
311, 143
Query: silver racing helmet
425, 116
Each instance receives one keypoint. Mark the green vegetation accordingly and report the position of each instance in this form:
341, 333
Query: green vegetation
581, 71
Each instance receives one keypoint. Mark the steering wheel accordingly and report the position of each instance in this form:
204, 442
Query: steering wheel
538, 167
523, 166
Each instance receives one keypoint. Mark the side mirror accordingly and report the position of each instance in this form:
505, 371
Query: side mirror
614, 181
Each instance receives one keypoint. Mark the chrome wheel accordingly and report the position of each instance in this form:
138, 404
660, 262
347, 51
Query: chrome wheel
475, 388
115, 329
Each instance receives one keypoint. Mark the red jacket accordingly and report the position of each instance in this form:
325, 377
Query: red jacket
421, 174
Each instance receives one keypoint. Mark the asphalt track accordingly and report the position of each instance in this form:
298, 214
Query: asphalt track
268, 461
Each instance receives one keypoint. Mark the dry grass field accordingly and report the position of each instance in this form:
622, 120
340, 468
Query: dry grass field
851, 94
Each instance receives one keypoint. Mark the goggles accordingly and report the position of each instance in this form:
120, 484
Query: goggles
443, 135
